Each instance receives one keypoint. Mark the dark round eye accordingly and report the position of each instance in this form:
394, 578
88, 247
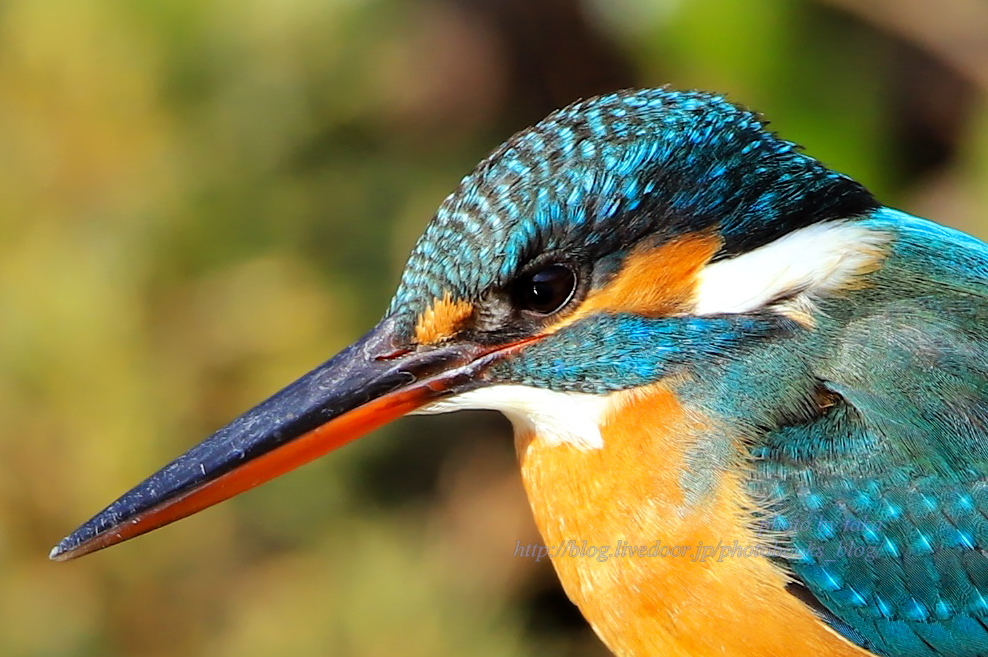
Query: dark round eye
546, 290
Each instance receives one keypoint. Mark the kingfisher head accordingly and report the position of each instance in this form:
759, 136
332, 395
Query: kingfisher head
623, 240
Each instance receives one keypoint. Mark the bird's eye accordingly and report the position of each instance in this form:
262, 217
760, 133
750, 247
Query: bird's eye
545, 290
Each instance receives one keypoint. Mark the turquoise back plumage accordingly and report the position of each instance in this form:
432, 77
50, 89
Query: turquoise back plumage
883, 489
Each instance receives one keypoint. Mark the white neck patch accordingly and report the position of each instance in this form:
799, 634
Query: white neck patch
556, 417
812, 260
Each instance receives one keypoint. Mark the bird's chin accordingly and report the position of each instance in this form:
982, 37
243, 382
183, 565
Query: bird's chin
555, 416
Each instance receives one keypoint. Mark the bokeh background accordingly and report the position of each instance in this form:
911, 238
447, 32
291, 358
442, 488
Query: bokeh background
202, 199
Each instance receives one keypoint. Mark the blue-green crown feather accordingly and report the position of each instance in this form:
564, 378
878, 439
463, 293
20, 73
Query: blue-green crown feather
599, 175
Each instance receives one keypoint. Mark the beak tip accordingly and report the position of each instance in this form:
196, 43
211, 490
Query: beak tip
59, 554
70, 547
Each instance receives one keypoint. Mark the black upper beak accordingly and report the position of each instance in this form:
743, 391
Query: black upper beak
365, 386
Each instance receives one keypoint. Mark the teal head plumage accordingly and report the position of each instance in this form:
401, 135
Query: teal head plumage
703, 336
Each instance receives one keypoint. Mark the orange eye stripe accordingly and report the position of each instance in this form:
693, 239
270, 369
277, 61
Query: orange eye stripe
442, 320
654, 282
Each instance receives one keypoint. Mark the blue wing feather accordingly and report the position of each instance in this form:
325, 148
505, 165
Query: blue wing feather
883, 493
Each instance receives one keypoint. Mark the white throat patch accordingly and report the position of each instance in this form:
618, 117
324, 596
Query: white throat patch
556, 417
813, 260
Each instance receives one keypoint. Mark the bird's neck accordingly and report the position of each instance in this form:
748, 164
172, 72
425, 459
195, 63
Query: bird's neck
653, 572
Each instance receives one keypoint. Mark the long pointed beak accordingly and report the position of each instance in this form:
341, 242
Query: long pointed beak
364, 387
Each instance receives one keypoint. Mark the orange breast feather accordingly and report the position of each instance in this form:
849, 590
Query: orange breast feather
651, 602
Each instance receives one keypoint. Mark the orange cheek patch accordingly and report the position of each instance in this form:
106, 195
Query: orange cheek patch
442, 320
654, 282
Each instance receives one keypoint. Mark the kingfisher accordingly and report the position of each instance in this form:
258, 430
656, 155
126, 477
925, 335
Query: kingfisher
758, 391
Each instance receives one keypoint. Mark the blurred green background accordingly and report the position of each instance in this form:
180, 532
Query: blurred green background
202, 199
